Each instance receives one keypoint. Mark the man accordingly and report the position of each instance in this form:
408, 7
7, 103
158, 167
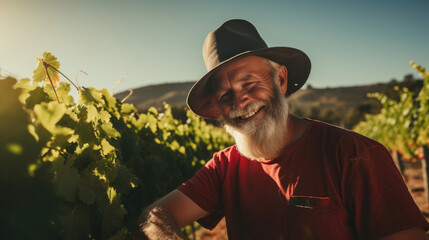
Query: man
286, 178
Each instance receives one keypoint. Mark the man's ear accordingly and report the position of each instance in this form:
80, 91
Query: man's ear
282, 79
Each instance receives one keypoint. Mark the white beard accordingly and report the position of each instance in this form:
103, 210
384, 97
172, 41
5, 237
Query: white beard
263, 138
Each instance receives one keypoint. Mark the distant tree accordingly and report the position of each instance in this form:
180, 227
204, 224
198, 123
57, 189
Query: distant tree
357, 113
330, 115
408, 78
408, 81
314, 112
297, 111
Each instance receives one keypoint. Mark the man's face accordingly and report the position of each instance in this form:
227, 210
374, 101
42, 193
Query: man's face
244, 86
254, 109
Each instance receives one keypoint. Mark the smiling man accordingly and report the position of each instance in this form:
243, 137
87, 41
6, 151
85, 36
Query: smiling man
286, 177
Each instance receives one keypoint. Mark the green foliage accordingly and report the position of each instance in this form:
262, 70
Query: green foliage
87, 170
402, 125
28, 202
40, 74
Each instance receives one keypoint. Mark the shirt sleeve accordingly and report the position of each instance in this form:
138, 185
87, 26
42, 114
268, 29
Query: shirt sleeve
204, 188
377, 196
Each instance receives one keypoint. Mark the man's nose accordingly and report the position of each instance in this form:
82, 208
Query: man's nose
240, 100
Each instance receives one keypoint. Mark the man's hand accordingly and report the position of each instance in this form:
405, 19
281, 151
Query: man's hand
157, 223
164, 218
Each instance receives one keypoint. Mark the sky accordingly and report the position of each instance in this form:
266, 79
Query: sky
154, 41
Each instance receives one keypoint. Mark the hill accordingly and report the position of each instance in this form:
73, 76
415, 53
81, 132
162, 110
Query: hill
344, 106
175, 95
154, 95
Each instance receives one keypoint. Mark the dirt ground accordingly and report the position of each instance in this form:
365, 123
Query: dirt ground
218, 233
413, 176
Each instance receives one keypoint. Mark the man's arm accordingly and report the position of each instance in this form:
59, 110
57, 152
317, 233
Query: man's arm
411, 234
164, 218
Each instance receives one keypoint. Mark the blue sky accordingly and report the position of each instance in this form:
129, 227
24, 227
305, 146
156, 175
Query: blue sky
150, 42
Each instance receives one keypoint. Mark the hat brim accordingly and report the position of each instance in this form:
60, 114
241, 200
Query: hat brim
200, 99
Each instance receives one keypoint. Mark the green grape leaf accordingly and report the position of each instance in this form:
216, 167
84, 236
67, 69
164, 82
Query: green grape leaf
67, 183
110, 100
63, 91
59, 140
152, 123
109, 130
24, 86
32, 130
111, 194
38, 95
86, 133
85, 97
88, 96
106, 148
69, 119
74, 138
86, 194
49, 114
127, 109
39, 74
124, 180
111, 171
152, 111
24, 83
104, 116
92, 113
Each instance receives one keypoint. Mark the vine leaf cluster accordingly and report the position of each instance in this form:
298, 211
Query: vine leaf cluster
402, 126
99, 162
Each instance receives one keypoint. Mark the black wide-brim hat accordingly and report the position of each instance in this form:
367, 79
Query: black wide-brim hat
235, 39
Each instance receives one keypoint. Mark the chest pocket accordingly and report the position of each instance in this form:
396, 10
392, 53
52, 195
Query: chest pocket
311, 218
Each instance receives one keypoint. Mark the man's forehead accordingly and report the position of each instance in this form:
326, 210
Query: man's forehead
222, 80
232, 72
238, 68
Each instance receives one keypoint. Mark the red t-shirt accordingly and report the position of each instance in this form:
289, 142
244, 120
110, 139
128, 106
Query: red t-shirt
331, 184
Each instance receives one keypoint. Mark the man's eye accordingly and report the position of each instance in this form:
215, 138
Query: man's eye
249, 84
224, 97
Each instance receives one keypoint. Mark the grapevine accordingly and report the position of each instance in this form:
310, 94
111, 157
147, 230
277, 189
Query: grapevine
86, 170
403, 125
